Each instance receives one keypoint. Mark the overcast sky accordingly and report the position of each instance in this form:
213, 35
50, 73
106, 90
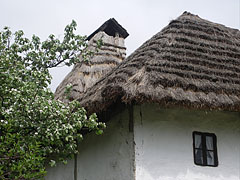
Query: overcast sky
141, 18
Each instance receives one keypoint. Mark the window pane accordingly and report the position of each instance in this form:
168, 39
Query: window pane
210, 158
209, 142
198, 141
198, 156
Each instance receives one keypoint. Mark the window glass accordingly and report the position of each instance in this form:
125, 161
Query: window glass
210, 158
199, 156
209, 142
198, 141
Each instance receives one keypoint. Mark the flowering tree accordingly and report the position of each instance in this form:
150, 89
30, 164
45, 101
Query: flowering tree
36, 129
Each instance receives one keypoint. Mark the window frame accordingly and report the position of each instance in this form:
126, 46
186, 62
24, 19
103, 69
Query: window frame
204, 149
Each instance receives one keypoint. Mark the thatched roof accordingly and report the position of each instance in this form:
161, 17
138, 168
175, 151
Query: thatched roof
192, 63
85, 74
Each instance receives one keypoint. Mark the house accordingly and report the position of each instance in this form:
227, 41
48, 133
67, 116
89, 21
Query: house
171, 108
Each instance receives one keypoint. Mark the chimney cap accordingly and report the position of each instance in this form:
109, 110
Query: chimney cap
111, 27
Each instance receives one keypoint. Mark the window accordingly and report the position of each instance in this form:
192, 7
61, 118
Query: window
205, 149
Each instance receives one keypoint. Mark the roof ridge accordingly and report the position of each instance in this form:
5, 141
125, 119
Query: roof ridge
185, 14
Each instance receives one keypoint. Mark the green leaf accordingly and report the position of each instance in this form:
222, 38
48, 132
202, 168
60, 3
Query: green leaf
52, 163
99, 132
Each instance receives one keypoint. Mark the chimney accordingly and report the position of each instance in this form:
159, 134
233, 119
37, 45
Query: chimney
85, 74
112, 34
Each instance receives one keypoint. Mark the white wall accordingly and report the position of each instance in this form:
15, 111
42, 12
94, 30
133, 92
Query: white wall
106, 157
164, 149
61, 171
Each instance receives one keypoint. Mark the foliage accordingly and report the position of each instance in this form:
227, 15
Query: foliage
36, 129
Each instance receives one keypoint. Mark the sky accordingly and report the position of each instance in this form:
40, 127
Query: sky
141, 18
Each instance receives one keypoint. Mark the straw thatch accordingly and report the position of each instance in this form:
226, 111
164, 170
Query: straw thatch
192, 63
86, 73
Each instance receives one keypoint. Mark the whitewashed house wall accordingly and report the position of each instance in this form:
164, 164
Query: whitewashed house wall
105, 157
164, 144
161, 147
61, 171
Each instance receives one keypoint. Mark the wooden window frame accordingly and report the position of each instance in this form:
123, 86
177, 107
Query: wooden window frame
204, 149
